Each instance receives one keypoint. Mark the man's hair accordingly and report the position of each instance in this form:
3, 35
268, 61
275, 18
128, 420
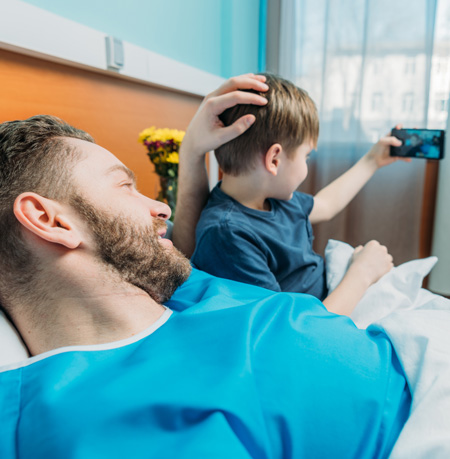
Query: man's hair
289, 118
34, 157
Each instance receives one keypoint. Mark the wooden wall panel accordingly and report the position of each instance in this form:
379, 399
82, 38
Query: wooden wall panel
111, 109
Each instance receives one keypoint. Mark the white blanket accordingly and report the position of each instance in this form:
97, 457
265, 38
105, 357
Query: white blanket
418, 324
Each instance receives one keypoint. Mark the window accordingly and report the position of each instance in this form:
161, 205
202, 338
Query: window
377, 102
441, 103
441, 65
408, 102
376, 67
410, 66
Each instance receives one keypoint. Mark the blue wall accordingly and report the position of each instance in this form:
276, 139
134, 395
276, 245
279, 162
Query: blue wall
223, 37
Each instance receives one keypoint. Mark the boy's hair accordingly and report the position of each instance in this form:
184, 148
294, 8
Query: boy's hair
289, 118
34, 157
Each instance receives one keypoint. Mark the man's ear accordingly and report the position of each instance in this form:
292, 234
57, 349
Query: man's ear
45, 218
273, 158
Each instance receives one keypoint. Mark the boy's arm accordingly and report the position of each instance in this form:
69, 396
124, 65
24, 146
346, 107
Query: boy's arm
369, 263
205, 133
329, 201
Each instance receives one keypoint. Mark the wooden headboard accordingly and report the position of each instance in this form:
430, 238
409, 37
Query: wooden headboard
113, 110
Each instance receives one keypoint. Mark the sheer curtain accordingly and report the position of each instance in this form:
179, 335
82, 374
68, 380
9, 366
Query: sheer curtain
368, 65
440, 276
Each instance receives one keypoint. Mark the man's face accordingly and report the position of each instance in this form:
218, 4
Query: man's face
126, 226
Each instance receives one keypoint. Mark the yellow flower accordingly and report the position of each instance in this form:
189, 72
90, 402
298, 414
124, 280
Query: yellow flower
152, 134
172, 158
146, 133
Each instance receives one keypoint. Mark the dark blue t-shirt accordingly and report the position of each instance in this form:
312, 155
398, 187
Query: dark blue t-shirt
271, 249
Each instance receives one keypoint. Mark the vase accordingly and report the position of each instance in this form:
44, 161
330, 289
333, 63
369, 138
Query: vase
168, 192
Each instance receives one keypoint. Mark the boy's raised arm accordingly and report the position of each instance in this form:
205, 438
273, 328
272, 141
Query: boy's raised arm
205, 133
329, 201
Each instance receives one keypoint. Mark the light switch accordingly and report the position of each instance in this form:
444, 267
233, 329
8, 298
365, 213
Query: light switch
114, 53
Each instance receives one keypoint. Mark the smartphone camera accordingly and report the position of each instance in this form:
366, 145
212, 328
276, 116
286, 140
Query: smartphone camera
419, 143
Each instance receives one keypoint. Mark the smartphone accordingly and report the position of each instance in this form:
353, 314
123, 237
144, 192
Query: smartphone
419, 143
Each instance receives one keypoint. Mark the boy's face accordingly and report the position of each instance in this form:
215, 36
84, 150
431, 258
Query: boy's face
293, 170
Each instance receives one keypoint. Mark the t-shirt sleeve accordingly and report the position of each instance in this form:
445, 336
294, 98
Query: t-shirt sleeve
305, 202
230, 252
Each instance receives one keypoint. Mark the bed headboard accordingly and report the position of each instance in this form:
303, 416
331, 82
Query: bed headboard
112, 109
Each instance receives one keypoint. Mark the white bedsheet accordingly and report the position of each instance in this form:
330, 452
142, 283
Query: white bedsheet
418, 324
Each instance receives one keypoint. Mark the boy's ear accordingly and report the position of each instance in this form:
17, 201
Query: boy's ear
45, 218
273, 158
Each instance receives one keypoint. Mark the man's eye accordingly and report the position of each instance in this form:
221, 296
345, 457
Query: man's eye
127, 184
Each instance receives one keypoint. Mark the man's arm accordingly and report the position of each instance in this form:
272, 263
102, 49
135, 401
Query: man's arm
329, 201
205, 133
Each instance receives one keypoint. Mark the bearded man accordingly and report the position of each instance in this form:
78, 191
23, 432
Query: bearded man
132, 355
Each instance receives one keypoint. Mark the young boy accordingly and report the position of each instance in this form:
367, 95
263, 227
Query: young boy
257, 229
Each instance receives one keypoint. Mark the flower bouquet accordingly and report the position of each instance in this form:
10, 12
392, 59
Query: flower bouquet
163, 146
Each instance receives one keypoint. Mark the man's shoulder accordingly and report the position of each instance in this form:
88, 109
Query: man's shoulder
202, 287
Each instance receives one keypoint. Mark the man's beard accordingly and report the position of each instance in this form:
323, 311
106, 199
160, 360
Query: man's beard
134, 252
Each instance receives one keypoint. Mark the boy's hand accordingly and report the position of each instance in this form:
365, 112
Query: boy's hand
368, 264
206, 132
371, 262
379, 153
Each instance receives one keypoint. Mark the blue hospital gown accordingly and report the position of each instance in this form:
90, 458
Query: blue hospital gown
235, 372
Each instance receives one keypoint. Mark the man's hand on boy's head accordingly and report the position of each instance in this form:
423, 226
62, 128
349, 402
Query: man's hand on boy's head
379, 153
206, 132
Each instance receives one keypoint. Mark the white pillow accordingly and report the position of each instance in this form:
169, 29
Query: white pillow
399, 289
12, 348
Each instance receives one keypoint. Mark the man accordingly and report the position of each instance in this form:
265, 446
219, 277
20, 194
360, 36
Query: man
221, 370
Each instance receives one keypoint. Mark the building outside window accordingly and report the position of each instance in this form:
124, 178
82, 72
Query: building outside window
377, 102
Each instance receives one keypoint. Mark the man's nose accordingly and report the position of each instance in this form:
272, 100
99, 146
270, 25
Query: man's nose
160, 209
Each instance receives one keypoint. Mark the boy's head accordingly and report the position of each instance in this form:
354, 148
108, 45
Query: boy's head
289, 118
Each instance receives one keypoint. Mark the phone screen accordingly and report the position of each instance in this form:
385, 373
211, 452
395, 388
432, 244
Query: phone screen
419, 143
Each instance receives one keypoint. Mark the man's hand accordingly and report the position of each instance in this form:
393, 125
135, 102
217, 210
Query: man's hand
206, 132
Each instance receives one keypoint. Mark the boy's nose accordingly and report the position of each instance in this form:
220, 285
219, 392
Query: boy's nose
160, 209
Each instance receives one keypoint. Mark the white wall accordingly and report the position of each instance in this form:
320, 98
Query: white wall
27, 29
